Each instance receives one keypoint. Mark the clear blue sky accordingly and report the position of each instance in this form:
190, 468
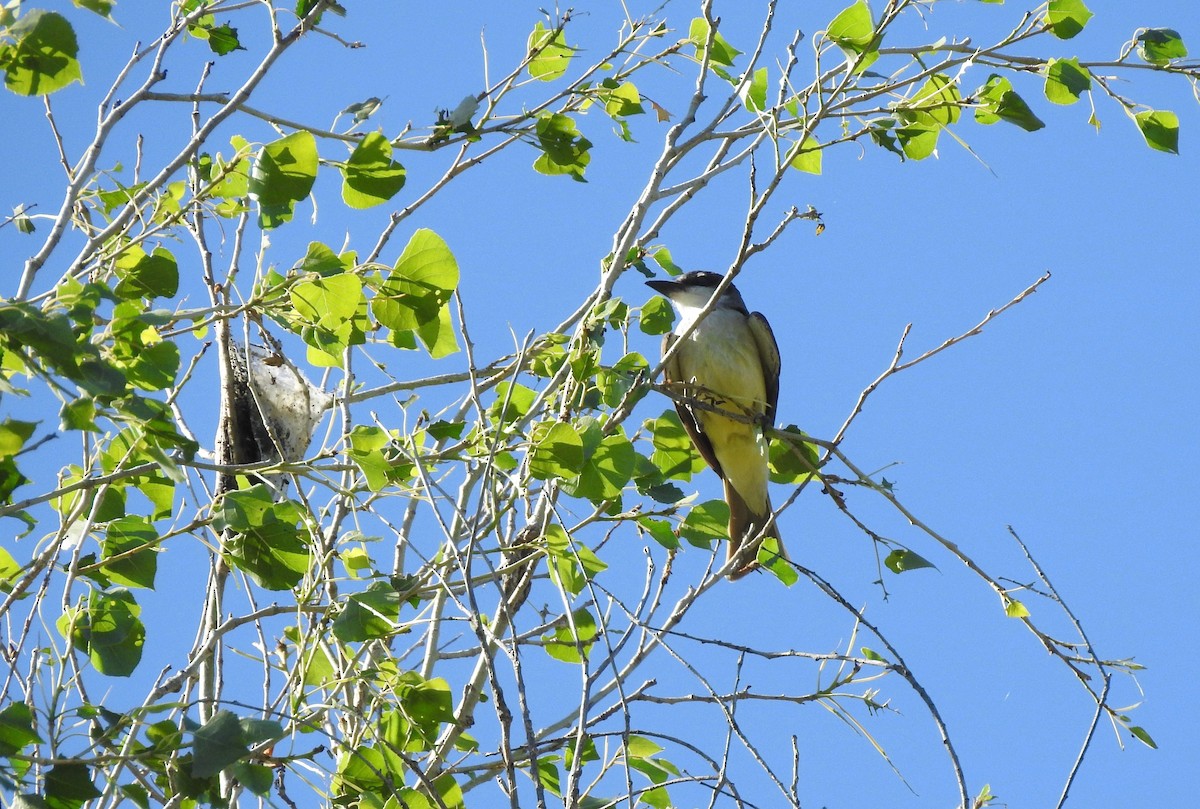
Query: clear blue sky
1071, 418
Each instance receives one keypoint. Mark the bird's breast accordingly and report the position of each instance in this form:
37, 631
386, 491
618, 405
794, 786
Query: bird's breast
721, 356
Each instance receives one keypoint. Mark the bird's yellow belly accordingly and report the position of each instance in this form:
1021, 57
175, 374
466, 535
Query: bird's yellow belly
721, 359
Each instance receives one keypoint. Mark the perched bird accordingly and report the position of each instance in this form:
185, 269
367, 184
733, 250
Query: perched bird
730, 362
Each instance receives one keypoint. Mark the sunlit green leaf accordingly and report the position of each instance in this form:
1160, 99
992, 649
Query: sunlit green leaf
937, 102
129, 555
572, 565
41, 56
657, 316
564, 149
770, 555
706, 523
673, 454
267, 541
661, 531
1066, 80
1158, 46
806, 157
918, 140
1015, 609
1142, 736
853, 30
1066, 18
620, 99
557, 451
721, 53
283, 175
146, 276
369, 614
1160, 128
108, 628
607, 470
754, 92
792, 459
901, 561
999, 102
371, 177
571, 638
222, 39
551, 56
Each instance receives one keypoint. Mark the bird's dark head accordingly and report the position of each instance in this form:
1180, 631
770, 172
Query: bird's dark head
693, 290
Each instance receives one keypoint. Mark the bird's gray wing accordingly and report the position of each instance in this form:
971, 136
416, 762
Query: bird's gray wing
768, 354
691, 423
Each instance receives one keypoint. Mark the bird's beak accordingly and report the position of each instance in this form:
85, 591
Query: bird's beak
663, 287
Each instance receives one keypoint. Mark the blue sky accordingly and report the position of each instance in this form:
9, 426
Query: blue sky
1070, 418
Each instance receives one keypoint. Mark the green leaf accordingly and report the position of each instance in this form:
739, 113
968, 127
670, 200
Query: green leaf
871, 654
1142, 736
16, 729
329, 308
937, 102
414, 298
107, 626
266, 543
918, 140
564, 149
902, 561
572, 565
571, 641
1160, 128
792, 459
606, 472
283, 175
770, 555
550, 54
1015, 609
662, 257
129, 555
1066, 18
1158, 46
9, 570
754, 92
620, 99
257, 778
218, 743
223, 39
41, 57
367, 445
369, 614
14, 434
806, 156
371, 177
146, 276
69, 786
101, 7
706, 523
557, 452
512, 402
657, 316
673, 454
546, 773
721, 53
999, 102
661, 531
853, 31
1066, 81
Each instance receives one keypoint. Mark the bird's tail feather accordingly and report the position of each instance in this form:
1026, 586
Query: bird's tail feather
746, 525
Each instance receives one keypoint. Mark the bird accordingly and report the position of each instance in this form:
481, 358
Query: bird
729, 361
